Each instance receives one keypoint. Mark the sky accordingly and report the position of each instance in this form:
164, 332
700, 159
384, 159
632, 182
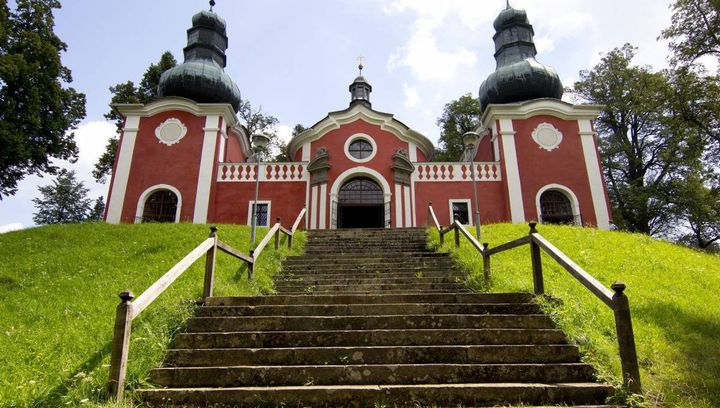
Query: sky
295, 59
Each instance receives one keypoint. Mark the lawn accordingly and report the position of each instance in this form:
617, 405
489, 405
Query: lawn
58, 293
674, 295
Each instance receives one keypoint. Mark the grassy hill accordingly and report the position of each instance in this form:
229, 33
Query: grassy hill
58, 293
674, 297
59, 286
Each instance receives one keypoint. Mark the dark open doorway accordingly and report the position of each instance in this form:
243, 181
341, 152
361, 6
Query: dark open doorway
360, 204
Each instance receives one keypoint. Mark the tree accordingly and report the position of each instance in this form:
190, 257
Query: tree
97, 211
36, 110
459, 116
694, 31
259, 122
64, 201
645, 142
696, 201
127, 92
297, 129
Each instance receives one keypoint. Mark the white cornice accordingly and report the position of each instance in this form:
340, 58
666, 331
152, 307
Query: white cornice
386, 121
174, 103
546, 106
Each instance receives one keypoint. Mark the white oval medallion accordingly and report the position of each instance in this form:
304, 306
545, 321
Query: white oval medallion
547, 136
170, 131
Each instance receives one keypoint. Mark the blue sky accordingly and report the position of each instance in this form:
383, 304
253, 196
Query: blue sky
297, 58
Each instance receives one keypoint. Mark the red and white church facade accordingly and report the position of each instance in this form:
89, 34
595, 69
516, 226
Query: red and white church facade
186, 157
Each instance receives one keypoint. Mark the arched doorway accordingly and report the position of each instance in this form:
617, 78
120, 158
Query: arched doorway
160, 206
555, 208
360, 204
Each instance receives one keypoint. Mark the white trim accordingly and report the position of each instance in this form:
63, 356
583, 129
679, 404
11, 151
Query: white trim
517, 211
223, 147
149, 191
122, 170
412, 204
323, 205
260, 202
314, 207
207, 165
398, 207
469, 208
406, 202
170, 122
412, 152
175, 103
305, 152
536, 107
360, 171
307, 204
566, 192
597, 190
543, 144
365, 137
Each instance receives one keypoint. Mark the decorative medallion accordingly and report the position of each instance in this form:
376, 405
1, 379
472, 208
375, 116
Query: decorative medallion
547, 136
170, 131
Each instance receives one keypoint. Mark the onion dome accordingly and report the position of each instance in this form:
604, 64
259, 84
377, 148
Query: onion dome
202, 77
518, 76
360, 90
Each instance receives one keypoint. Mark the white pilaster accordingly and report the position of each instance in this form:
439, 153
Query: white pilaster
314, 207
323, 205
305, 152
587, 137
122, 171
507, 133
207, 165
398, 206
408, 207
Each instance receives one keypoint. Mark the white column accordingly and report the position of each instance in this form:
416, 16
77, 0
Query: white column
587, 137
408, 207
398, 206
207, 164
122, 171
323, 205
314, 207
517, 210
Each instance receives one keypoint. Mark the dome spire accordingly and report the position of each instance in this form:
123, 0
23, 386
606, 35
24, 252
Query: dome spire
212, 4
360, 89
518, 76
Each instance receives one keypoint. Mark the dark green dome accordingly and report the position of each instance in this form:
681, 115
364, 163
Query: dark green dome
518, 75
202, 77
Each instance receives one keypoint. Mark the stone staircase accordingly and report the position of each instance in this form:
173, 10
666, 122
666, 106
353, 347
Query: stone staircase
371, 318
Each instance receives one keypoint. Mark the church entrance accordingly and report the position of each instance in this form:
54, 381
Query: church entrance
360, 204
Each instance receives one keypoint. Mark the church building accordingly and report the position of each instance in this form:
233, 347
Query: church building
186, 157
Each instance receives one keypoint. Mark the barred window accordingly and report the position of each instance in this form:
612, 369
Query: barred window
161, 206
360, 149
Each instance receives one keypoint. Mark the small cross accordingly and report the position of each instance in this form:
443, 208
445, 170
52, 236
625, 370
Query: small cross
360, 60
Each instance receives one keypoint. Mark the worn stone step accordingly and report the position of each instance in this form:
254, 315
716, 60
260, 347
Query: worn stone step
455, 354
371, 298
285, 323
437, 267
408, 274
310, 292
372, 337
370, 256
369, 309
324, 248
237, 376
370, 287
361, 280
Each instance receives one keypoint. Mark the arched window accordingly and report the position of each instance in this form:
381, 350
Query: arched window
360, 149
361, 191
160, 206
555, 208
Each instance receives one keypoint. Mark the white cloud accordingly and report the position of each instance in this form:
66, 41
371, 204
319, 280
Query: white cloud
412, 97
284, 132
11, 227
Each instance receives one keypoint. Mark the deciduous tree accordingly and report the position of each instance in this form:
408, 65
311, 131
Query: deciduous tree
694, 31
459, 116
37, 110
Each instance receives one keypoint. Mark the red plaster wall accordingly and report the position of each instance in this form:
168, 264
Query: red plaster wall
156, 163
233, 151
564, 165
490, 205
485, 150
230, 202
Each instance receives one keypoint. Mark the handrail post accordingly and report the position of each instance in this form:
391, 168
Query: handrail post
210, 265
626, 338
251, 266
277, 234
289, 239
120, 346
442, 236
457, 233
486, 263
537, 271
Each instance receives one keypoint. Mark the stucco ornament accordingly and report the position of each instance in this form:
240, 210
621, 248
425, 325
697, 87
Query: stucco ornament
170, 131
547, 136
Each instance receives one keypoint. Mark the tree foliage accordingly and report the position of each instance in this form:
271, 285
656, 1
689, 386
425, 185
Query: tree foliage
645, 142
36, 108
459, 116
259, 122
127, 92
694, 31
63, 201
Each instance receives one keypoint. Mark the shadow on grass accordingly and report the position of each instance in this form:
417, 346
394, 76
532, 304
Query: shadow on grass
54, 398
696, 339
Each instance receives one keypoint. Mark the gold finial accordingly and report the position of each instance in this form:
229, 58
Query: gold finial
212, 4
360, 60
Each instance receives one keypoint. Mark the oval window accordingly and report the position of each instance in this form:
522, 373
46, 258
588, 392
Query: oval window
360, 149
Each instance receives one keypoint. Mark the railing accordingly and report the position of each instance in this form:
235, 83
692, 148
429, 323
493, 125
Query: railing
616, 300
128, 310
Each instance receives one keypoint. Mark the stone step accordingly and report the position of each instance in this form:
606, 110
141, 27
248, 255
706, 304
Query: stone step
324, 247
372, 337
369, 309
372, 396
449, 354
370, 287
292, 323
310, 292
365, 280
408, 274
356, 374
371, 298
370, 256
436, 267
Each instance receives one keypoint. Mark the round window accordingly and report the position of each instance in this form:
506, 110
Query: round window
360, 149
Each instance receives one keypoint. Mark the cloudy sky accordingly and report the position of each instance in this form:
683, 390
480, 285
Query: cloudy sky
297, 58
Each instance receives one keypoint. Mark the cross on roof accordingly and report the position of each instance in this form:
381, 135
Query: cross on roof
360, 60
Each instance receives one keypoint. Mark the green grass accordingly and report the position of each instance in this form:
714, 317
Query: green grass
58, 293
674, 295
